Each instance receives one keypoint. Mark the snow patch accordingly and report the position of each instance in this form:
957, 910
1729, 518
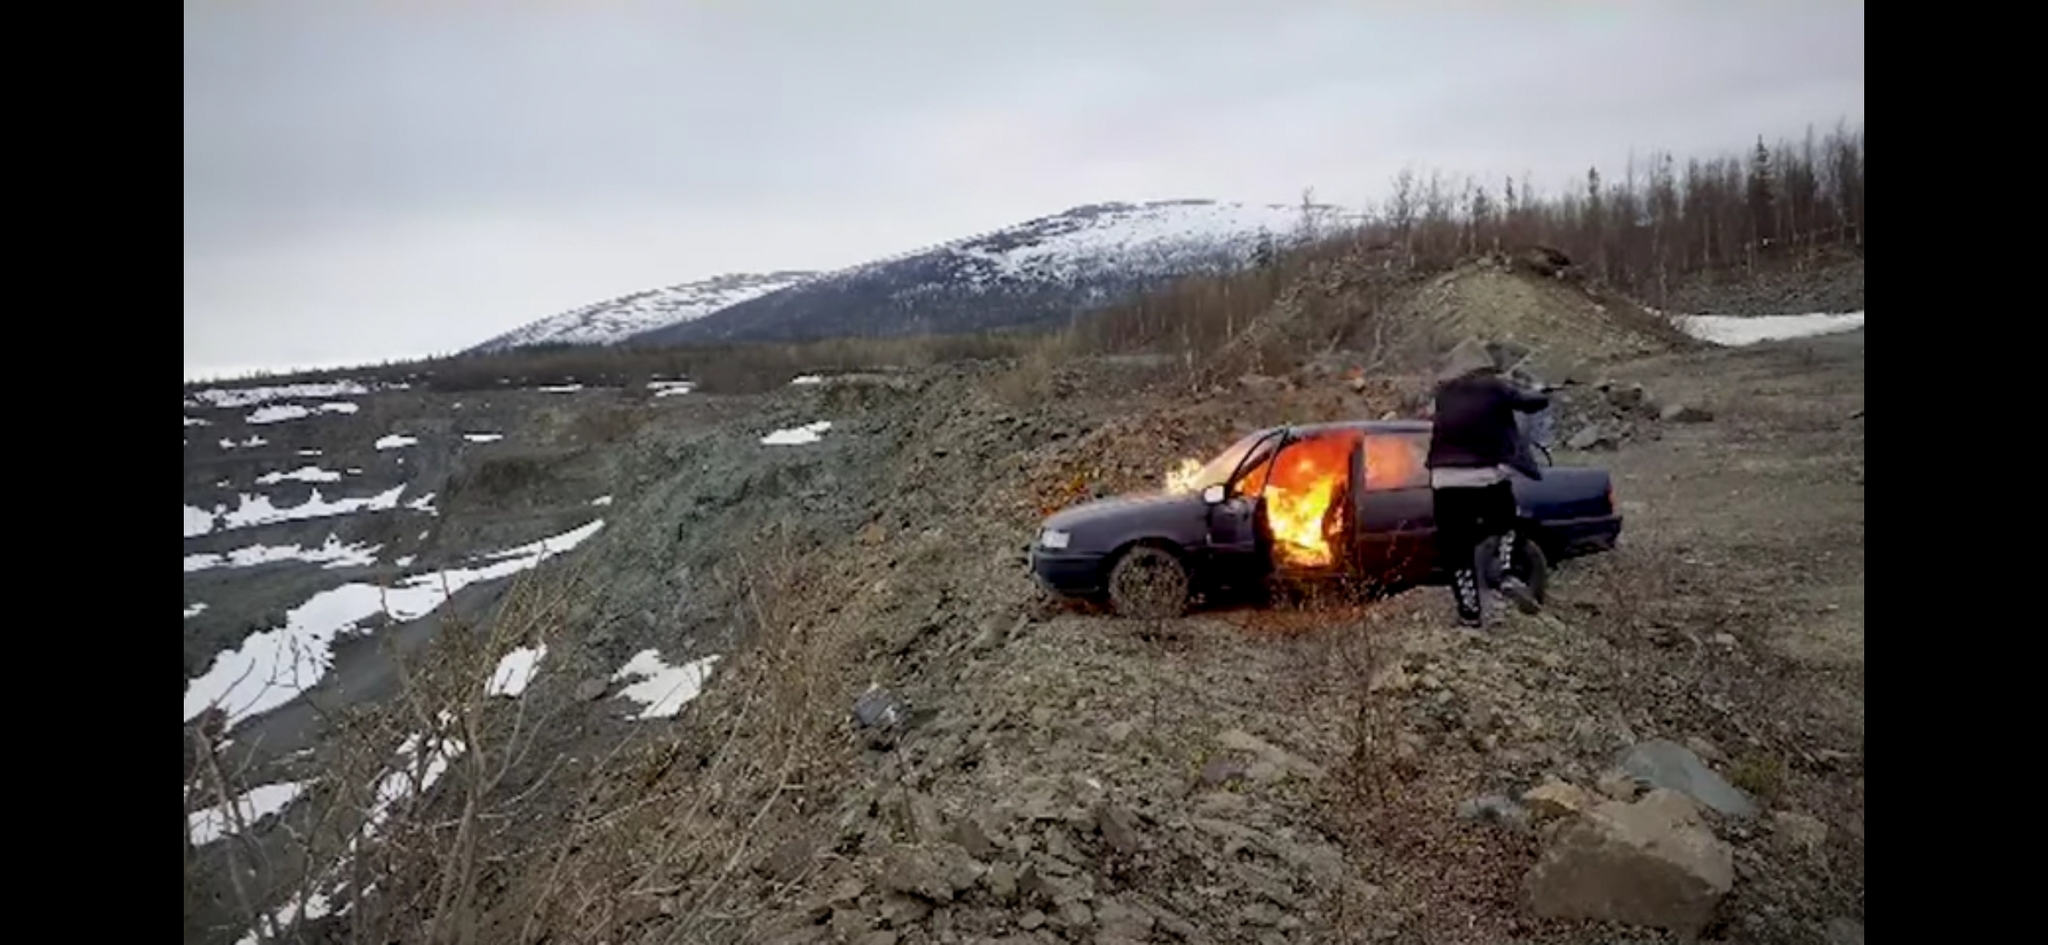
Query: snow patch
601, 500
515, 670
1746, 330
255, 804
252, 441
797, 436
560, 389
195, 609
250, 396
395, 441
483, 437
196, 422
258, 510
332, 554
662, 689
278, 413
807, 379
274, 666
301, 474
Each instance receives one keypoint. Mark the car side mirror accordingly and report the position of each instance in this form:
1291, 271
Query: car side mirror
1213, 495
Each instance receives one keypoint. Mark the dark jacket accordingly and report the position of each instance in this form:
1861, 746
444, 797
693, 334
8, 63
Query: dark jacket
1475, 424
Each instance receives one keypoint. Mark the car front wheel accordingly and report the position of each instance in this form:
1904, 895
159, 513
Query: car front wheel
1149, 583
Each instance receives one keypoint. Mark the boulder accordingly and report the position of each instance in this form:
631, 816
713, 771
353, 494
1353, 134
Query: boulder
1554, 799
1627, 398
1278, 759
1660, 763
934, 872
1650, 863
1591, 438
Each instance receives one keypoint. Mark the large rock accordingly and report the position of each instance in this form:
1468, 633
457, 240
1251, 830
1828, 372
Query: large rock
1666, 764
934, 872
1277, 762
1685, 413
1650, 863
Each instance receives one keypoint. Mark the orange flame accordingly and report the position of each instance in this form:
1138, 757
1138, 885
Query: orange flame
1300, 490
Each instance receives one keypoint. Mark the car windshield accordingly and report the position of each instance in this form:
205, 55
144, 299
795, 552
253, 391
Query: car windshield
1216, 472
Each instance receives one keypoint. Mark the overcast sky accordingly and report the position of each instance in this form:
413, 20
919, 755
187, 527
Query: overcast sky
368, 180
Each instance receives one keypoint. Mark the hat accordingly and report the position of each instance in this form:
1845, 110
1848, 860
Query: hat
1469, 357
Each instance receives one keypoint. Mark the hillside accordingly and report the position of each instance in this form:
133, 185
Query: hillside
665, 703
1034, 273
553, 645
615, 320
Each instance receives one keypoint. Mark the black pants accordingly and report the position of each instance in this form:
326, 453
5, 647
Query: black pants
1467, 519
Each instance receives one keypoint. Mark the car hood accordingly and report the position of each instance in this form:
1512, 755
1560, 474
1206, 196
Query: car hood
1081, 516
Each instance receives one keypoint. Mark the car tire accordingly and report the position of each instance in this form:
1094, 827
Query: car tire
1529, 563
1148, 582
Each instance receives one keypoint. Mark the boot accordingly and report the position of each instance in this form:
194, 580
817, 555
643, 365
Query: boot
1512, 587
1465, 590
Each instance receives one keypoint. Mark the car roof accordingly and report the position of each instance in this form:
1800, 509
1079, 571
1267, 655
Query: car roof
1364, 426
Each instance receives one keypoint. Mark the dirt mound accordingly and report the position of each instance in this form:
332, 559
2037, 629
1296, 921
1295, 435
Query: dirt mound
1371, 316
1567, 325
1830, 281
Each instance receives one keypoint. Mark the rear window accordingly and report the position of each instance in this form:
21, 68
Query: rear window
1396, 461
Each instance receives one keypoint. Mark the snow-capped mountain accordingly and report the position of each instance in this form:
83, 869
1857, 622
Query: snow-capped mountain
614, 321
1038, 272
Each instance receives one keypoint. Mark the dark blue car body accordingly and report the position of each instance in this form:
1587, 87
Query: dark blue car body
1389, 543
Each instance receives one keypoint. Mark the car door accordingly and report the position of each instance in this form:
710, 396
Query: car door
1235, 532
1394, 542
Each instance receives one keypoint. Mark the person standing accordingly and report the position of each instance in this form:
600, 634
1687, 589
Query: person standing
1475, 442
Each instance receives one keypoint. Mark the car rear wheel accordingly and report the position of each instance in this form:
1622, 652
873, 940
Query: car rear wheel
1528, 562
1148, 583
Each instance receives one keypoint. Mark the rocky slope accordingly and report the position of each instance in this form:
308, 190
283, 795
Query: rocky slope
1316, 773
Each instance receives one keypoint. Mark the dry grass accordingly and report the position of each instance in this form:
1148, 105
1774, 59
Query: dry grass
420, 829
668, 820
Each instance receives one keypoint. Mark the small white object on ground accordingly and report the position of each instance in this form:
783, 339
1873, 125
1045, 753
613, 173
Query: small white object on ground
797, 436
663, 689
601, 500
807, 379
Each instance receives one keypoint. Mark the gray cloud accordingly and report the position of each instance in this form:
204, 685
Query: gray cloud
367, 180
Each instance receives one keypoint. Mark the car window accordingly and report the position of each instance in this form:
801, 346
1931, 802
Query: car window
1396, 461
1258, 468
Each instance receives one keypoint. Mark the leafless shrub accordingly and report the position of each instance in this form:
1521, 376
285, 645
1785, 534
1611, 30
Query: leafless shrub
408, 799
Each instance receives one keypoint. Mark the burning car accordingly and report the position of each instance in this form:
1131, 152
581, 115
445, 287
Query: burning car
1348, 500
